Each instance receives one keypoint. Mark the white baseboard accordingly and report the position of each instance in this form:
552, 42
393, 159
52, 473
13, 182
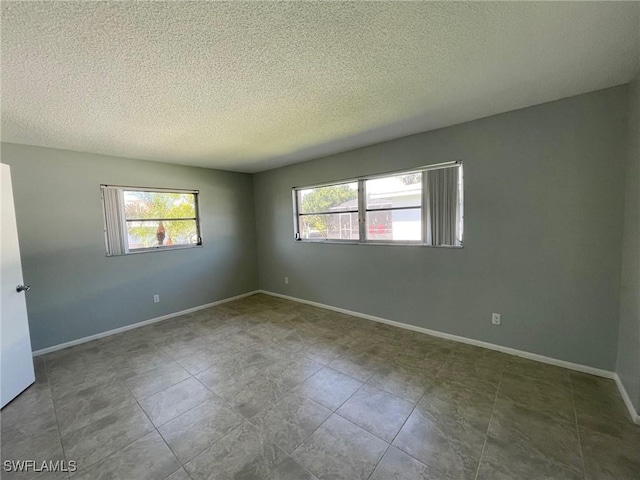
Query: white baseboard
138, 324
627, 401
456, 338
478, 343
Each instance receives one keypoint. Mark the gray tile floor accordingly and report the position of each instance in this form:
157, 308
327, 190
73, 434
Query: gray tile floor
264, 388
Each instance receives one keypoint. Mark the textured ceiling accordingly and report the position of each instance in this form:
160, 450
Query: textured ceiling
251, 86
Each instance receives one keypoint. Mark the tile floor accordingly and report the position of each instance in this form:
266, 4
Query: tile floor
264, 388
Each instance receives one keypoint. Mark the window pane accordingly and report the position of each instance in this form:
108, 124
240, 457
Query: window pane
396, 191
340, 226
334, 198
395, 225
149, 234
159, 205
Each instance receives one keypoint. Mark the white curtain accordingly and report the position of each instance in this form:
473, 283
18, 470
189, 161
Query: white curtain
443, 206
113, 221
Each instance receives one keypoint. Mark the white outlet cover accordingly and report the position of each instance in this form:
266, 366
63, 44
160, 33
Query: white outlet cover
495, 318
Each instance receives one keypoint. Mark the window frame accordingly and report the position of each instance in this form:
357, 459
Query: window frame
365, 210
297, 215
362, 210
123, 219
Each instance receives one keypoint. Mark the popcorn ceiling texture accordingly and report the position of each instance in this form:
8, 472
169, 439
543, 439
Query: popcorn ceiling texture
251, 86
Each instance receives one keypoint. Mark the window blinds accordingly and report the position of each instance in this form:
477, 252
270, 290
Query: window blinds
113, 221
443, 206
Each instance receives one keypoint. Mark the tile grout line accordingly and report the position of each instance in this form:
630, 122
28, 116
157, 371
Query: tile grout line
191, 375
55, 414
301, 466
222, 399
493, 409
407, 419
156, 428
145, 414
160, 350
333, 412
379, 460
273, 404
159, 434
227, 405
240, 425
575, 416
294, 391
445, 361
98, 346
403, 424
390, 443
347, 420
134, 440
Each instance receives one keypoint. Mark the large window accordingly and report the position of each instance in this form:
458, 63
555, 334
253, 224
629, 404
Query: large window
419, 207
142, 219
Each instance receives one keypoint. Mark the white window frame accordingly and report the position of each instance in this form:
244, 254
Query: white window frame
120, 217
362, 210
365, 210
296, 216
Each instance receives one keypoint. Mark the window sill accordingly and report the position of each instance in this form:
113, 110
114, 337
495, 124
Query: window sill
157, 249
385, 244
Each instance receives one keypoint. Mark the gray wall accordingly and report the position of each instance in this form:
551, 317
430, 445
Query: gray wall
544, 204
76, 290
628, 366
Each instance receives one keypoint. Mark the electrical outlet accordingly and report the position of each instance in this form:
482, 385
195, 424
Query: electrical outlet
495, 318
156, 299
286, 280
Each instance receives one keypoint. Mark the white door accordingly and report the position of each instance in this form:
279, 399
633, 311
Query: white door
16, 361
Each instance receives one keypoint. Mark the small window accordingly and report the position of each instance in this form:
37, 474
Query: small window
394, 208
329, 213
142, 219
420, 207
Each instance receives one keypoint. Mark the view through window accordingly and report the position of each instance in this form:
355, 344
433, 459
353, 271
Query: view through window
422, 207
138, 219
329, 213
